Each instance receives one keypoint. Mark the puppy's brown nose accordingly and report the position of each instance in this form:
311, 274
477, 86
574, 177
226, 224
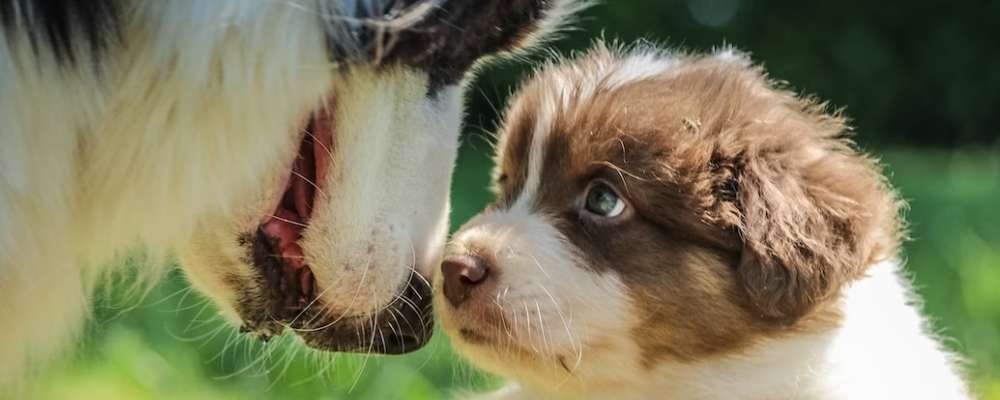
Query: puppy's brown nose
461, 275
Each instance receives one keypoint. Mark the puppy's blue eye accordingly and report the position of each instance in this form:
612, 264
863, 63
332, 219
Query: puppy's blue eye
603, 201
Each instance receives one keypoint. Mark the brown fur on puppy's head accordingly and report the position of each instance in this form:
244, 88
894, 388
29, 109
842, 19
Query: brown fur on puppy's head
776, 173
745, 211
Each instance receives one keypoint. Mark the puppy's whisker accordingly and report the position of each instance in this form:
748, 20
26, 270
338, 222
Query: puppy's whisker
541, 328
539, 266
574, 345
527, 320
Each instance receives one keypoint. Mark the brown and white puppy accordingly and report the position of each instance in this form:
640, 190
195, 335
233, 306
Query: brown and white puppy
678, 226
298, 154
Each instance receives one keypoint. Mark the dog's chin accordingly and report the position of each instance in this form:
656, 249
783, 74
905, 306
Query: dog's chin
258, 306
256, 297
255, 294
493, 349
272, 305
505, 344
260, 270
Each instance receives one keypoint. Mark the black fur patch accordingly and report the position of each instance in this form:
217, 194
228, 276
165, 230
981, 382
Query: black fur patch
450, 38
64, 26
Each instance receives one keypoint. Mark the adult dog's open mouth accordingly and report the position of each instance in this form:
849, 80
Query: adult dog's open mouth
293, 281
290, 293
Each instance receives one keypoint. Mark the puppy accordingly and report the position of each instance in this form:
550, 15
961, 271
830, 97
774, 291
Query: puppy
675, 226
297, 154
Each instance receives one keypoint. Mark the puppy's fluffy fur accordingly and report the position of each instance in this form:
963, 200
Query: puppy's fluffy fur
751, 251
175, 124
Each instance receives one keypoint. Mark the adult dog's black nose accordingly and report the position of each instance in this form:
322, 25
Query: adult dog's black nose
461, 276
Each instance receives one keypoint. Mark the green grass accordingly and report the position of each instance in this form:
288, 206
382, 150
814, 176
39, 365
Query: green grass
954, 254
171, 345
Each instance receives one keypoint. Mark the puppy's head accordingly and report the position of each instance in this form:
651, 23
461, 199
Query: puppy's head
337, 242
657, 208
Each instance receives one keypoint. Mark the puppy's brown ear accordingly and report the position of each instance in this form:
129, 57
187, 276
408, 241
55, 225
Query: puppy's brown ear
812, 213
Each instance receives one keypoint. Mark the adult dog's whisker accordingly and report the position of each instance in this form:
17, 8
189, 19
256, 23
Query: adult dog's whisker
288, 221
311, 183
316, 141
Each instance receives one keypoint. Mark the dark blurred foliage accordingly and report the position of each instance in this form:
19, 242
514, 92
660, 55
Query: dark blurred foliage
921, 73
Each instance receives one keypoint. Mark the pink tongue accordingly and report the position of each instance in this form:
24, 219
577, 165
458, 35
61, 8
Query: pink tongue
308, 169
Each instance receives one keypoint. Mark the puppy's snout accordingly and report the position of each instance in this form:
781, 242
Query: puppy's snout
461, 276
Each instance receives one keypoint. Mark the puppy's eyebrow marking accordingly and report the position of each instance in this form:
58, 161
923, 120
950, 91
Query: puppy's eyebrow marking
536, 154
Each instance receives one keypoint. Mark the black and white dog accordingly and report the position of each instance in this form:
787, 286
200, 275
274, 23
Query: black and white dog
296, 154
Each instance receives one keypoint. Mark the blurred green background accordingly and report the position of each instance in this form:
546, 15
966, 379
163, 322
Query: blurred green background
921, 80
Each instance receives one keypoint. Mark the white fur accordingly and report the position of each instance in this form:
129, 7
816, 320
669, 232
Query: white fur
96, 160
536, 154
194, 122
576, 82
395, 156
639, 65
555, 311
